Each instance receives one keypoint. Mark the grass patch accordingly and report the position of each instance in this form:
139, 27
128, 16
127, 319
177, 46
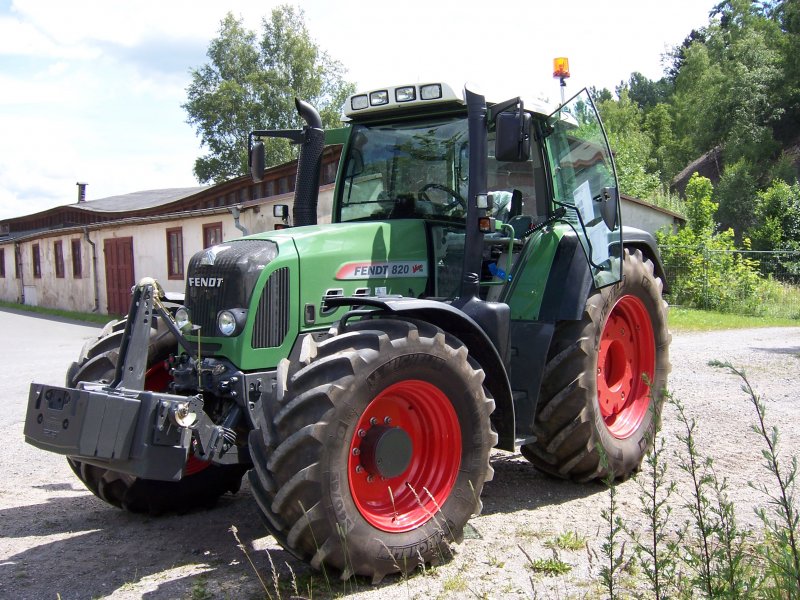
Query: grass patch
64, 314
569, 540
549, 566
455, 583
200, 589
691, 319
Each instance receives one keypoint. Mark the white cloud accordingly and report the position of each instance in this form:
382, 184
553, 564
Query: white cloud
91, 90
22, 38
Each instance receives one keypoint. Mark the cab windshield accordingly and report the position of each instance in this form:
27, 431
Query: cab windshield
406, 170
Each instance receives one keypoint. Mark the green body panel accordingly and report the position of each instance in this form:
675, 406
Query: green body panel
525, 291
377, 258
336, 136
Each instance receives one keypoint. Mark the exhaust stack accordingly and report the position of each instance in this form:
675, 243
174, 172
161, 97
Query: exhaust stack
309, 165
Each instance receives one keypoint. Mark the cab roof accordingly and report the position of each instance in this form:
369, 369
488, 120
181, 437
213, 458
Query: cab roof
413, 96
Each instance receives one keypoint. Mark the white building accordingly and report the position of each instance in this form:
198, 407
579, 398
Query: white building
86, 256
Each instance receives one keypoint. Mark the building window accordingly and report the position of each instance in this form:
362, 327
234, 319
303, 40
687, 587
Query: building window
17, 262
58, 255
77, 265
212, 234
37, 262
175, 253
2, 262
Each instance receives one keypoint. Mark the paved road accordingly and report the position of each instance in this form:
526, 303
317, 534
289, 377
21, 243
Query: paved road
34, 348
57, 538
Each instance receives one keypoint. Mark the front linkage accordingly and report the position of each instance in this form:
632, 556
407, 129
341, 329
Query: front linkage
127, 428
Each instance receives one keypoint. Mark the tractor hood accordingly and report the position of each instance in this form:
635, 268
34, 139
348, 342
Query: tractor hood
376, 258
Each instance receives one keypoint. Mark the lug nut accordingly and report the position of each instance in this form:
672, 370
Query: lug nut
356, 451
373, 421
370, 478
387, 420
361, 433
359, 468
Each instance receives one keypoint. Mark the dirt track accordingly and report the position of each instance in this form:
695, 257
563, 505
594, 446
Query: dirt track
57, 538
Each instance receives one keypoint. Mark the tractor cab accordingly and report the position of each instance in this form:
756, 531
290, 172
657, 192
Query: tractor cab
408, 157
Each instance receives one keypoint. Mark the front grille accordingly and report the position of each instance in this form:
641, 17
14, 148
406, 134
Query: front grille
226, 283
272, 318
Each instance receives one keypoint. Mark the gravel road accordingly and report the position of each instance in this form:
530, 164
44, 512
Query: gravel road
56, 538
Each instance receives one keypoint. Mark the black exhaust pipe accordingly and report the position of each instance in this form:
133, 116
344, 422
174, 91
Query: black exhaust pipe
309, 165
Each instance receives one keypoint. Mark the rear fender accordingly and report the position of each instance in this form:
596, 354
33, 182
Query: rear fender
570, 280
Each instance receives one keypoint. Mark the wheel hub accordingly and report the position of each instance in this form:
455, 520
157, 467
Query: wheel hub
405, 455
386, 451
626, 363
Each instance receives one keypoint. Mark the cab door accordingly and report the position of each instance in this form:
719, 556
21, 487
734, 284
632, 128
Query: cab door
585, 184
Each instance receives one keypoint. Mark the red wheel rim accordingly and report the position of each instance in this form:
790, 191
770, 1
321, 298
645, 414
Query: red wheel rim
427, 419
157, 379
625, 363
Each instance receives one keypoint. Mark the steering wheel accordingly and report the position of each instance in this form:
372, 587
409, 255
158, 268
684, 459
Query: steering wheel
459, 199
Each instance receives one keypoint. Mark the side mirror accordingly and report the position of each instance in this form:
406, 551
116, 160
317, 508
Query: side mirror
609, 201
257, 161
280, 211
513, 137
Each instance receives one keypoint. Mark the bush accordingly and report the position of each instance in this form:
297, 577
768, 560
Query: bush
707, 271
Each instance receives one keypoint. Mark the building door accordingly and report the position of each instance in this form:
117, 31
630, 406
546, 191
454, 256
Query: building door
119, 274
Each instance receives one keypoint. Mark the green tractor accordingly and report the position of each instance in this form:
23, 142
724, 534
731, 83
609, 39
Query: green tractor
475, 289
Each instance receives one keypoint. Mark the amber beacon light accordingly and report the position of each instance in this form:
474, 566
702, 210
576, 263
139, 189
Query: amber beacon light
561, 67
561, 72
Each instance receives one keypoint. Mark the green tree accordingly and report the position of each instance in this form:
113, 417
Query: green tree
697, 105
645, 92
631, 145
777, 211
709, 272
659, 126
787, 14
700, 208
250, 82
736, 196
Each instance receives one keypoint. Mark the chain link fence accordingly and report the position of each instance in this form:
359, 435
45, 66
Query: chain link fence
735, 281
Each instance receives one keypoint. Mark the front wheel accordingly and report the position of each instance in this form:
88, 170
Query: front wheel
378, 450
604, 381
202, 483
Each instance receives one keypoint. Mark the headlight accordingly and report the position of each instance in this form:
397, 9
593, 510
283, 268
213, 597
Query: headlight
231, 322
182, 318
226, 323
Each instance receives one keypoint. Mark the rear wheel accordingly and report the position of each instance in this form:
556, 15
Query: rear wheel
604, 381
377, 452
202, 484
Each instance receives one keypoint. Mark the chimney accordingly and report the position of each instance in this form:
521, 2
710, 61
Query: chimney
81, 191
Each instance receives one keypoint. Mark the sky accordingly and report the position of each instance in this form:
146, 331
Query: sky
91, 90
